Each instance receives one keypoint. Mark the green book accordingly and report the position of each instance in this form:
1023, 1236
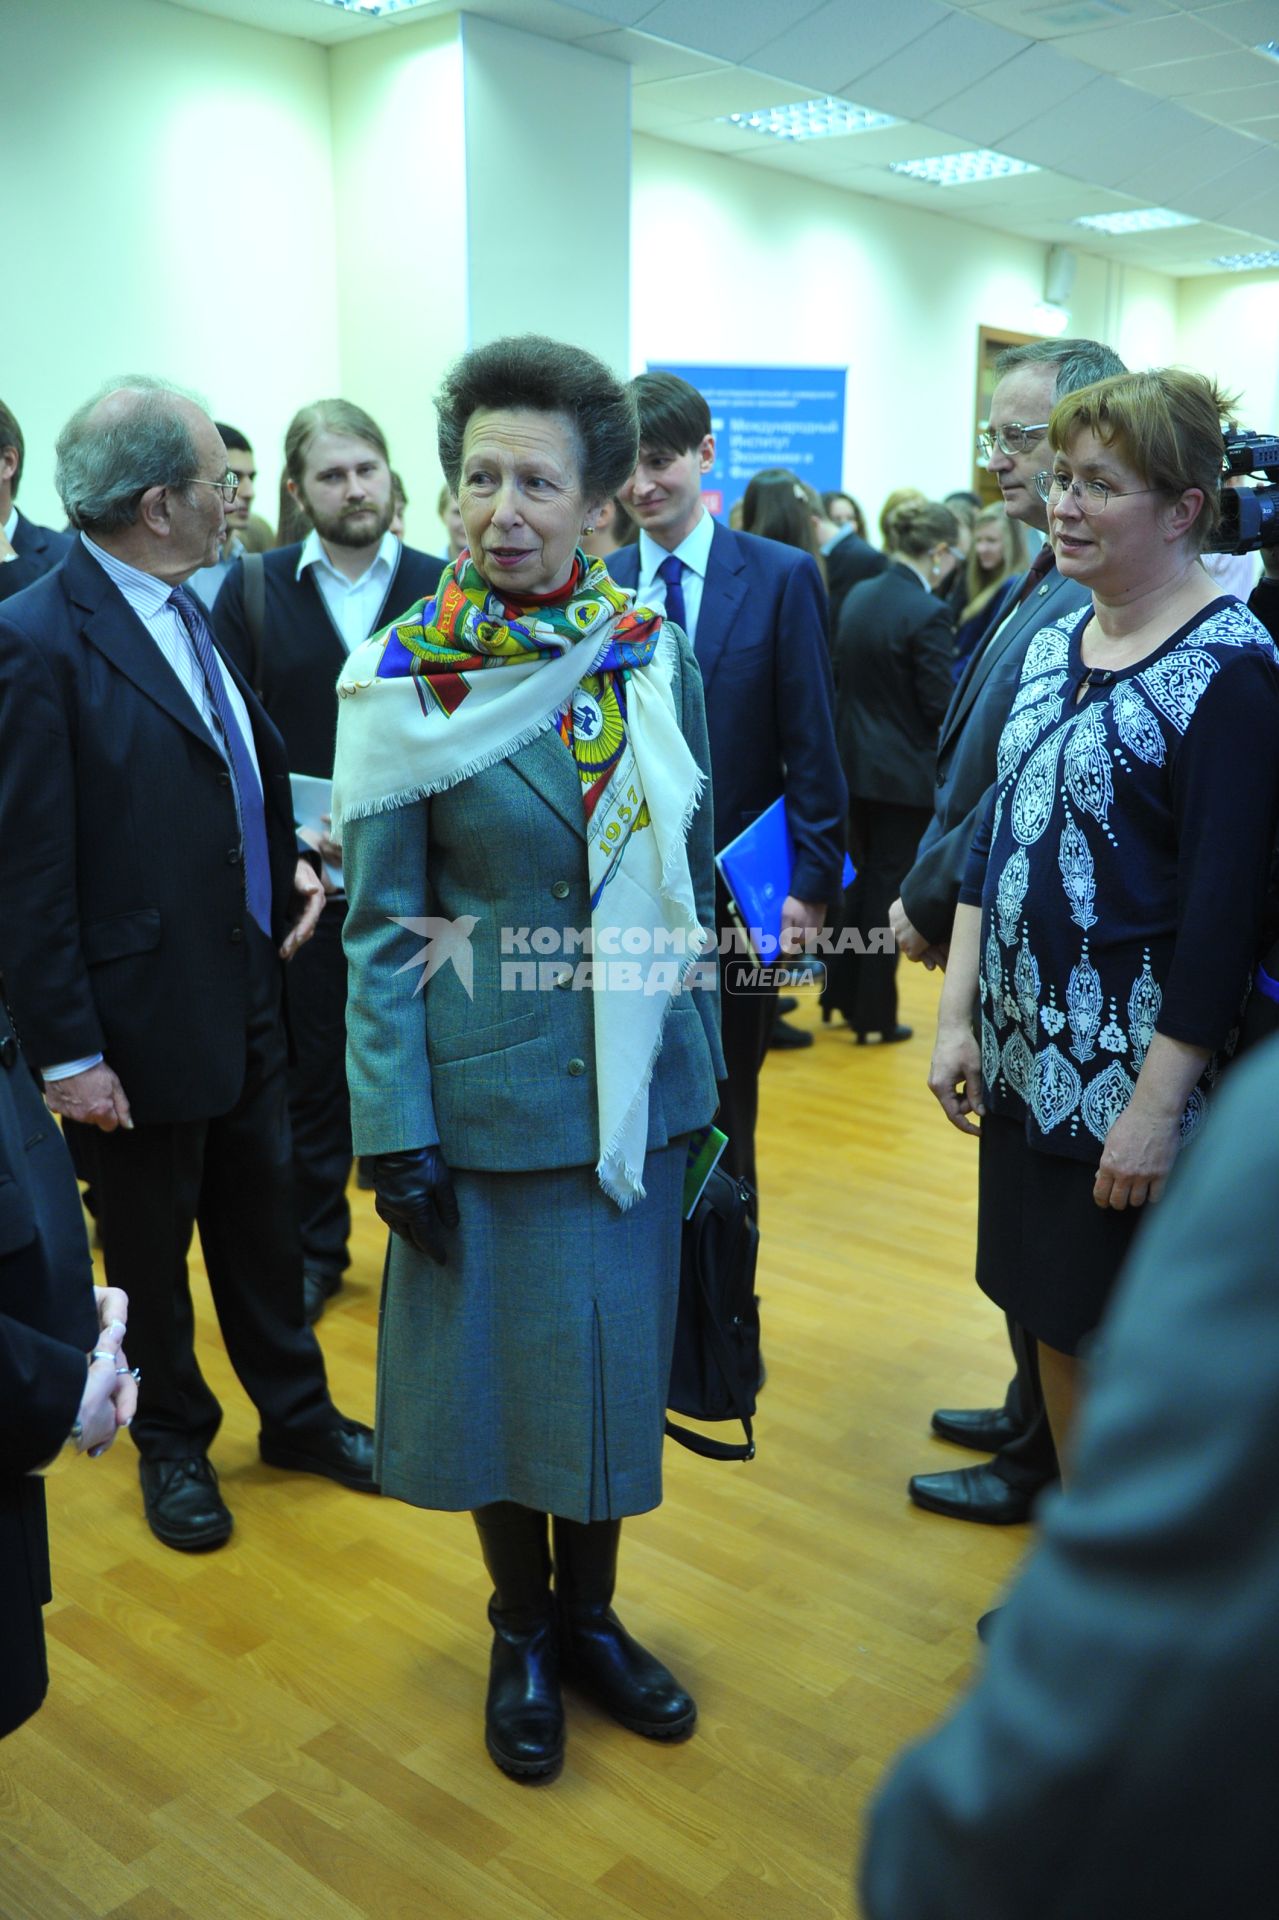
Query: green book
704, 1150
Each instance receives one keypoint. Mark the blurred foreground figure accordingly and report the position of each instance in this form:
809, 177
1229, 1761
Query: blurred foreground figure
1118, 1756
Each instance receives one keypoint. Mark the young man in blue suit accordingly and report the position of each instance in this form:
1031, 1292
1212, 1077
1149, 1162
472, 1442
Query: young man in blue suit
755, 612
26, 550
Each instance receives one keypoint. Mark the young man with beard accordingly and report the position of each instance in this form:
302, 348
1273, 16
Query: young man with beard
208, 582
290, 630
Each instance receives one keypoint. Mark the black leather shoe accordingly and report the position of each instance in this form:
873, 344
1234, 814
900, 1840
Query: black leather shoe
523, 1713
784, 1037
183, 1506
317, 1290
972, 1493
986, 1625
984, 1429
342, 1451
787, 1003
598, 1655
871, 1036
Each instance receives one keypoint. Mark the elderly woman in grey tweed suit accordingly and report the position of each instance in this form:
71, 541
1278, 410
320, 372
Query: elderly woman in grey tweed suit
521, 779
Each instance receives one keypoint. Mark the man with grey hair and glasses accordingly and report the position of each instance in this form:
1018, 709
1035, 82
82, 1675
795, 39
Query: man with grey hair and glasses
150, 885
1029, 381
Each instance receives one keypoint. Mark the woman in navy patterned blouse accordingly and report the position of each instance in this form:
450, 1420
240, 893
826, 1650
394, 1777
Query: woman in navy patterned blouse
1110, 917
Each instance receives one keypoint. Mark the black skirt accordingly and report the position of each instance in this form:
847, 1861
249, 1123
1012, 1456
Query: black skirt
1046, 1252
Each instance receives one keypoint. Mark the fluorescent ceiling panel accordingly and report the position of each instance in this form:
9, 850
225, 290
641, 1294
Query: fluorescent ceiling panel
822, 119
962, 169
375, 9
1138, 220
1247, 262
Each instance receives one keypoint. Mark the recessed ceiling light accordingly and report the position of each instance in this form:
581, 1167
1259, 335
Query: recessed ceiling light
1246, 262
811, 120
374, 8
1140, 220
962, 169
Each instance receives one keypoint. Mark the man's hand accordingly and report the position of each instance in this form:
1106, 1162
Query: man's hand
907, 938
799, 917
308, 902
95, 1098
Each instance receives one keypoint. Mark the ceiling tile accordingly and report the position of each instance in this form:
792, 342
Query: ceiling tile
955, 54
1212, 151
1056, 19
832, 45
647, 58
729, 32
1212, 74
1011, 96
1217, 199
1237, 103
1249, 21
1148, 43
616, 13
722, 90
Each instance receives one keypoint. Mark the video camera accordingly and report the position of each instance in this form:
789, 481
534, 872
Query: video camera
1250, 515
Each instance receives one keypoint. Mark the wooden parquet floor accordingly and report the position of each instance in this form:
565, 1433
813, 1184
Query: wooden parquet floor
289, 1729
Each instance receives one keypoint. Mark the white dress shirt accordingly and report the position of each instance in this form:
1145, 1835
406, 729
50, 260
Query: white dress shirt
695, 551
353, 605
11, 526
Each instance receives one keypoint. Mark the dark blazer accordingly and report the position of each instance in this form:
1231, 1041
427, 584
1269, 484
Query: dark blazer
850, 561
893, 684
761, 645
122, 915
1116, 1758
966, 750
302, 652
48, 1323
39, 549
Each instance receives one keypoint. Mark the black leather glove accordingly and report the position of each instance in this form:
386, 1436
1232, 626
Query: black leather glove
415, 1197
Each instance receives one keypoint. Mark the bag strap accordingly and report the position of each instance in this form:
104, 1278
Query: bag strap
698, 1442
254, 566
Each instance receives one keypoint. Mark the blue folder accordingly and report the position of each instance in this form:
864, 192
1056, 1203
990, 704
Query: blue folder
756, 869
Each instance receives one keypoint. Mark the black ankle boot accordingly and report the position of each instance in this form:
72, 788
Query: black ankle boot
596, 1651
523, 1714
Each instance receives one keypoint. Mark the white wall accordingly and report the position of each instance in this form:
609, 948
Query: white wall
758, 268
399, 168
168, 210
1229, 327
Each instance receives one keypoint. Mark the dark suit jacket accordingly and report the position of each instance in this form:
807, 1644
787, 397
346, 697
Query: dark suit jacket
122, 914
1264, 602
850, 561
1117, 1758
39, 549
761, 646
893, 684
966, 750
302, 652
48, 1323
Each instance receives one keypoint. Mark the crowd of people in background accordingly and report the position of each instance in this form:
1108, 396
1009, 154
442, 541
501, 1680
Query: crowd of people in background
1040, 717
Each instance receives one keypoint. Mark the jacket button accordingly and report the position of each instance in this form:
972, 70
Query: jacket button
576, 1067
233, 856
564, 979
561, 889
224, 779
8, 1052
237, 934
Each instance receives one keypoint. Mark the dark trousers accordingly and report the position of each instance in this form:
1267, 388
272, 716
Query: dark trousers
747, 1012
883, 839
1030, 1461
232, 1177
319, 1105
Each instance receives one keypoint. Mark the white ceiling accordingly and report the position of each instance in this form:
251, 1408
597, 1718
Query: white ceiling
1121, 103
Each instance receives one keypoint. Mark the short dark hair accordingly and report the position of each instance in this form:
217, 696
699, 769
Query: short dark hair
1078, 362
11, 436
673, 416
232, 439
530, 372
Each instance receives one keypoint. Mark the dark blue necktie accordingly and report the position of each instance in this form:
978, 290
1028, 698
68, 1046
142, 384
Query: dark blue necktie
248, 797
672, 571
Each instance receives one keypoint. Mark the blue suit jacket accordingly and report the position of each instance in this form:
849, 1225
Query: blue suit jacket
39, 550
761, 645
966, 755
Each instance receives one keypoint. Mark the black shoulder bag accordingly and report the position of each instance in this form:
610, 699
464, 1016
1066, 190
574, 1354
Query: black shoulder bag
715, 1365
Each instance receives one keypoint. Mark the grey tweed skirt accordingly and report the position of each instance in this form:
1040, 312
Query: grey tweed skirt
535, 1365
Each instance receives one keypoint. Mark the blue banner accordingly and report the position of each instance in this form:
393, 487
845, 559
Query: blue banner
770, 417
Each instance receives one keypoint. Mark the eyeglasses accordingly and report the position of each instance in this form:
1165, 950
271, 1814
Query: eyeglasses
228, 486
1090, 496
1014, 438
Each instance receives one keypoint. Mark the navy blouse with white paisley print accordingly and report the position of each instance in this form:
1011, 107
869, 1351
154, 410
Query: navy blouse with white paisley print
1121, 868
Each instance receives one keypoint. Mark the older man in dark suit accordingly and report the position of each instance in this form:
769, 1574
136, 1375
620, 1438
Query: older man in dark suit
756, 615
63, 1376
149, 880
1031, 379
26, 550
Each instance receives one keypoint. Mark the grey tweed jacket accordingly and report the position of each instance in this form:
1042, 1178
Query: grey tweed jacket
503, 1077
